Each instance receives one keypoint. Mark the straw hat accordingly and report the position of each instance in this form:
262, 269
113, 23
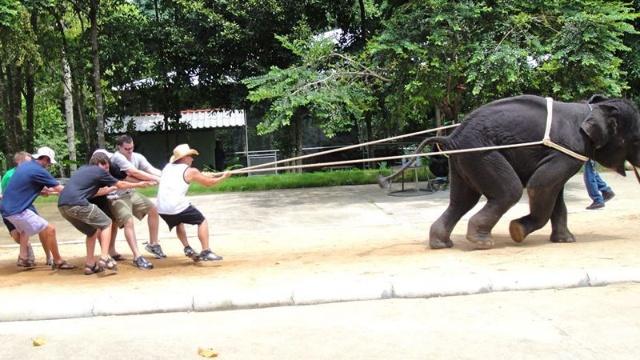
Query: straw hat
46, 151
181, 151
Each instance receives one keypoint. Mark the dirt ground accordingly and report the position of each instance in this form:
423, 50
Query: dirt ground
291, 235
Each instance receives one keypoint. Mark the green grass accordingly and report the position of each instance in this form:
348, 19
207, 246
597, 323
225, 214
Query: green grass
281, 181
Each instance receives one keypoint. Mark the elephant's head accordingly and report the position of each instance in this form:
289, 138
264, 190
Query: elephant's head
614, 130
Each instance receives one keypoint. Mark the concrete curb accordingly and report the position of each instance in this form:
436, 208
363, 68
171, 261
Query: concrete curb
312, 291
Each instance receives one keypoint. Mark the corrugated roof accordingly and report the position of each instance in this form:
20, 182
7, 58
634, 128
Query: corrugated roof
198, 119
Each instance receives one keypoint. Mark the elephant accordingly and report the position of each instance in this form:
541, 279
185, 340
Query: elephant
605, 130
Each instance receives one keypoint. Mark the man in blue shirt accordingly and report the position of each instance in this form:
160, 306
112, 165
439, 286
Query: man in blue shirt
28, 181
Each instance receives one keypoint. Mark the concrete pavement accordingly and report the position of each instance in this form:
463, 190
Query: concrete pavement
583, 323
321, 245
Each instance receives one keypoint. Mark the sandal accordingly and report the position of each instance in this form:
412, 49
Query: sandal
27, 263
64, 265
118, 257
92, 269
108, 264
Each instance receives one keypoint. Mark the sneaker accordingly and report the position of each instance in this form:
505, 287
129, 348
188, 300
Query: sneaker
595, 205
189, 252
156, 250
608, 195
141, 263
208, 255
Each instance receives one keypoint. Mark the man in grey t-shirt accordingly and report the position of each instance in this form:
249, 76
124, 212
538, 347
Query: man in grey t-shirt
128, 204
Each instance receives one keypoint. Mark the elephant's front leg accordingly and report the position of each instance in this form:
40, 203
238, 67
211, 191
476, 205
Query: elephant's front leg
545, 200
559, 229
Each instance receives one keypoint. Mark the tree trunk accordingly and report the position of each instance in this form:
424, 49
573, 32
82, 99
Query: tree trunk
299, 136
14, 134
97, 88
68, 111
30, 90
438, 121
363, 22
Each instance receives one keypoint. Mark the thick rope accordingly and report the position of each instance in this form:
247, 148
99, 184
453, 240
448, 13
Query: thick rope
347, 162
546, 141
341, 149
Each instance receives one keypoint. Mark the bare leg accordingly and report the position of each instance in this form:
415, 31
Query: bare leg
182, 235
91, 249
23, 240
105, 237
203, 234
153, 220
45, 248
130, 235
48, 238
112, 243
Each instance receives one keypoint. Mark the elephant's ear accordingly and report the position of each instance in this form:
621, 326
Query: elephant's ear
600, 125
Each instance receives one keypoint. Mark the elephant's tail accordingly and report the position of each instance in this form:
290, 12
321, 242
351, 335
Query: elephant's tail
384, 181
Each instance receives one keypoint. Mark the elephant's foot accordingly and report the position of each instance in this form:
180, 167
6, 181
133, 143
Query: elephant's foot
562, 237
440, 244
517, 231
481, 241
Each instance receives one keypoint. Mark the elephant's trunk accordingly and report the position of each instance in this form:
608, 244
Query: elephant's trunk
384, 181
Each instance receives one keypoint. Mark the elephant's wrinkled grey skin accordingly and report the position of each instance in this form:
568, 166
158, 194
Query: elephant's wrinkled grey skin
608, 133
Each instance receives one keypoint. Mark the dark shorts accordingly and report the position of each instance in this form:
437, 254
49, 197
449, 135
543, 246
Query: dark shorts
8, 224
190, 215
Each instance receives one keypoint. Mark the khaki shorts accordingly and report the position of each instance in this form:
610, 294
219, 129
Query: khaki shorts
86, 218
124, 208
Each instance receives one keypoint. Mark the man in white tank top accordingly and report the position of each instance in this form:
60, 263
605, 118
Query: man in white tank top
174, 207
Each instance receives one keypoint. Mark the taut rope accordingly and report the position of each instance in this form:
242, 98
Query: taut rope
546, 141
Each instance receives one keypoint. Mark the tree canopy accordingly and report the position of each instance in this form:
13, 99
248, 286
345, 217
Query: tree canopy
386, 66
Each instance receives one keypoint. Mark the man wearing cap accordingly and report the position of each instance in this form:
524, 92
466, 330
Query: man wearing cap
29, 180
102, 202
131, 203
88, 181
19, 158
173, 206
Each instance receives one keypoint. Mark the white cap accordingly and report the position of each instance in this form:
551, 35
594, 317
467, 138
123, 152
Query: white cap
109, 154
46, 151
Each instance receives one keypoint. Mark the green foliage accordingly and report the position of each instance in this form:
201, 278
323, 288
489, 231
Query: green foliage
331, 86
9, 10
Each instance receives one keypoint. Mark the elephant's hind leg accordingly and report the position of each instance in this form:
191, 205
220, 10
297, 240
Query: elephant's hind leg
501, 185
462, 198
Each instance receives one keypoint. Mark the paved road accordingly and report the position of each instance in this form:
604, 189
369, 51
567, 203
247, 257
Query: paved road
585, 323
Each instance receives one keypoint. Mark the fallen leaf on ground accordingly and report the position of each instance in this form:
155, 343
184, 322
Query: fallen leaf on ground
38, 341
209, 353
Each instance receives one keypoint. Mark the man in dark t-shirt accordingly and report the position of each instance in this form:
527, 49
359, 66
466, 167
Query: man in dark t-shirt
73, 203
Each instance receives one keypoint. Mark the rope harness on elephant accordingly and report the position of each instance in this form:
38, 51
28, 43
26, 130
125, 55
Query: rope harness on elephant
546, 141
547, 135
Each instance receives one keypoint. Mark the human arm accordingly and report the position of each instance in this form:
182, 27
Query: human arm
142, 175
55, 190
194, 175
